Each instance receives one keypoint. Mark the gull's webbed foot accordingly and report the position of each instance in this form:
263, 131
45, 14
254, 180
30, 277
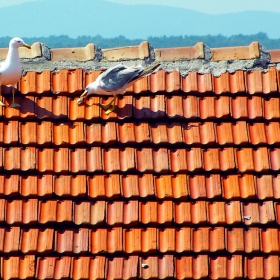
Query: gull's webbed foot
110, 107
14, 105
110, 110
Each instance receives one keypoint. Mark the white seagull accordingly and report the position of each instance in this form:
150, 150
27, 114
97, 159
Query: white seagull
11, 69
114, 81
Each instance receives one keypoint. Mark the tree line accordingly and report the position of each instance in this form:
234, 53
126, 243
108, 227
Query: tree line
211, 41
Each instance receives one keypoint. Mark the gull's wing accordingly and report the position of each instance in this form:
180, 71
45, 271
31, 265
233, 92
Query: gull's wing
118, 76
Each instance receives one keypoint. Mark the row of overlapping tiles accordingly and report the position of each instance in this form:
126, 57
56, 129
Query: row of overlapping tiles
142, 213
160, 160
148, 240
71, 81
136, 267
178, 106
179, 187
205, 134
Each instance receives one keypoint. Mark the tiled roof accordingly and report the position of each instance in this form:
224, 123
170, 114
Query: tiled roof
181, 181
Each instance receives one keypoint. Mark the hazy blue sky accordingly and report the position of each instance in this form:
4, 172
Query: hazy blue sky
206, 6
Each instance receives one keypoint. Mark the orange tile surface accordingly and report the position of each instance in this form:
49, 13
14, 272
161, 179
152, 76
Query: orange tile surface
180, 182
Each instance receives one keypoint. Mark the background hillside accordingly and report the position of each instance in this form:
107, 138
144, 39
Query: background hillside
99, 17
64, 41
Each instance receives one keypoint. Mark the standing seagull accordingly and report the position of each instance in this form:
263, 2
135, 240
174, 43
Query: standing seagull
115, 81
10, 69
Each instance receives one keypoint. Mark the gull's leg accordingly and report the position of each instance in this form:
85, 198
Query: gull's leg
110, 107
106, 106
14, 104
1, 102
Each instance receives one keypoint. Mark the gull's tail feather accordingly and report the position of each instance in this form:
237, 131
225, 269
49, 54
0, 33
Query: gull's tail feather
148, 70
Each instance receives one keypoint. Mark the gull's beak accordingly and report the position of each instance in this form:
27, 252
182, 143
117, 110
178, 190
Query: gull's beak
82, 97
27, 46
84, 94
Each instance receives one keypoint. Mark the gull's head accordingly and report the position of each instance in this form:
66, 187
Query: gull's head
88, 90
18, 42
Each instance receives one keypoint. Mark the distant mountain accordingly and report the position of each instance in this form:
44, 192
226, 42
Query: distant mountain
98, 17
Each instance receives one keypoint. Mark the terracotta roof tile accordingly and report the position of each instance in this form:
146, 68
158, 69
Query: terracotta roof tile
272, 132
207, 133
244, 158
239, 107
18, 267
261, 161
158, 106
35, 83
60, 107
27, 110
218, 267
197, 186
233, 212
257, 133
255, 107
240, 133
201, 240
191, 133
174, 107
94, 159
160, 160
142, 107
222, 107
165, 212
172, 81
130, 186
159, 133
146, 185
204, 83
157, 81
64, 211
183, 240
194, 160
274, 158
177, 158
11, 239
198, 212
75, 112
166, 240
235, 240
183, 214
81, 213
200, 266
207, 107
184, 267
92, 133
187, 163
211, 159
222, 83
124, 110
10, 132
142, 133
149, 240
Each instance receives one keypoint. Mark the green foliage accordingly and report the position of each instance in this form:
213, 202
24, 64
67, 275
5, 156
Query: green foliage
211, 41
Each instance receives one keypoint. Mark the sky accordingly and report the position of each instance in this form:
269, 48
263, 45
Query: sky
205, 6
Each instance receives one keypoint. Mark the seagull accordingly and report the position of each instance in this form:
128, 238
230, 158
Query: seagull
115, 81
10, 69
